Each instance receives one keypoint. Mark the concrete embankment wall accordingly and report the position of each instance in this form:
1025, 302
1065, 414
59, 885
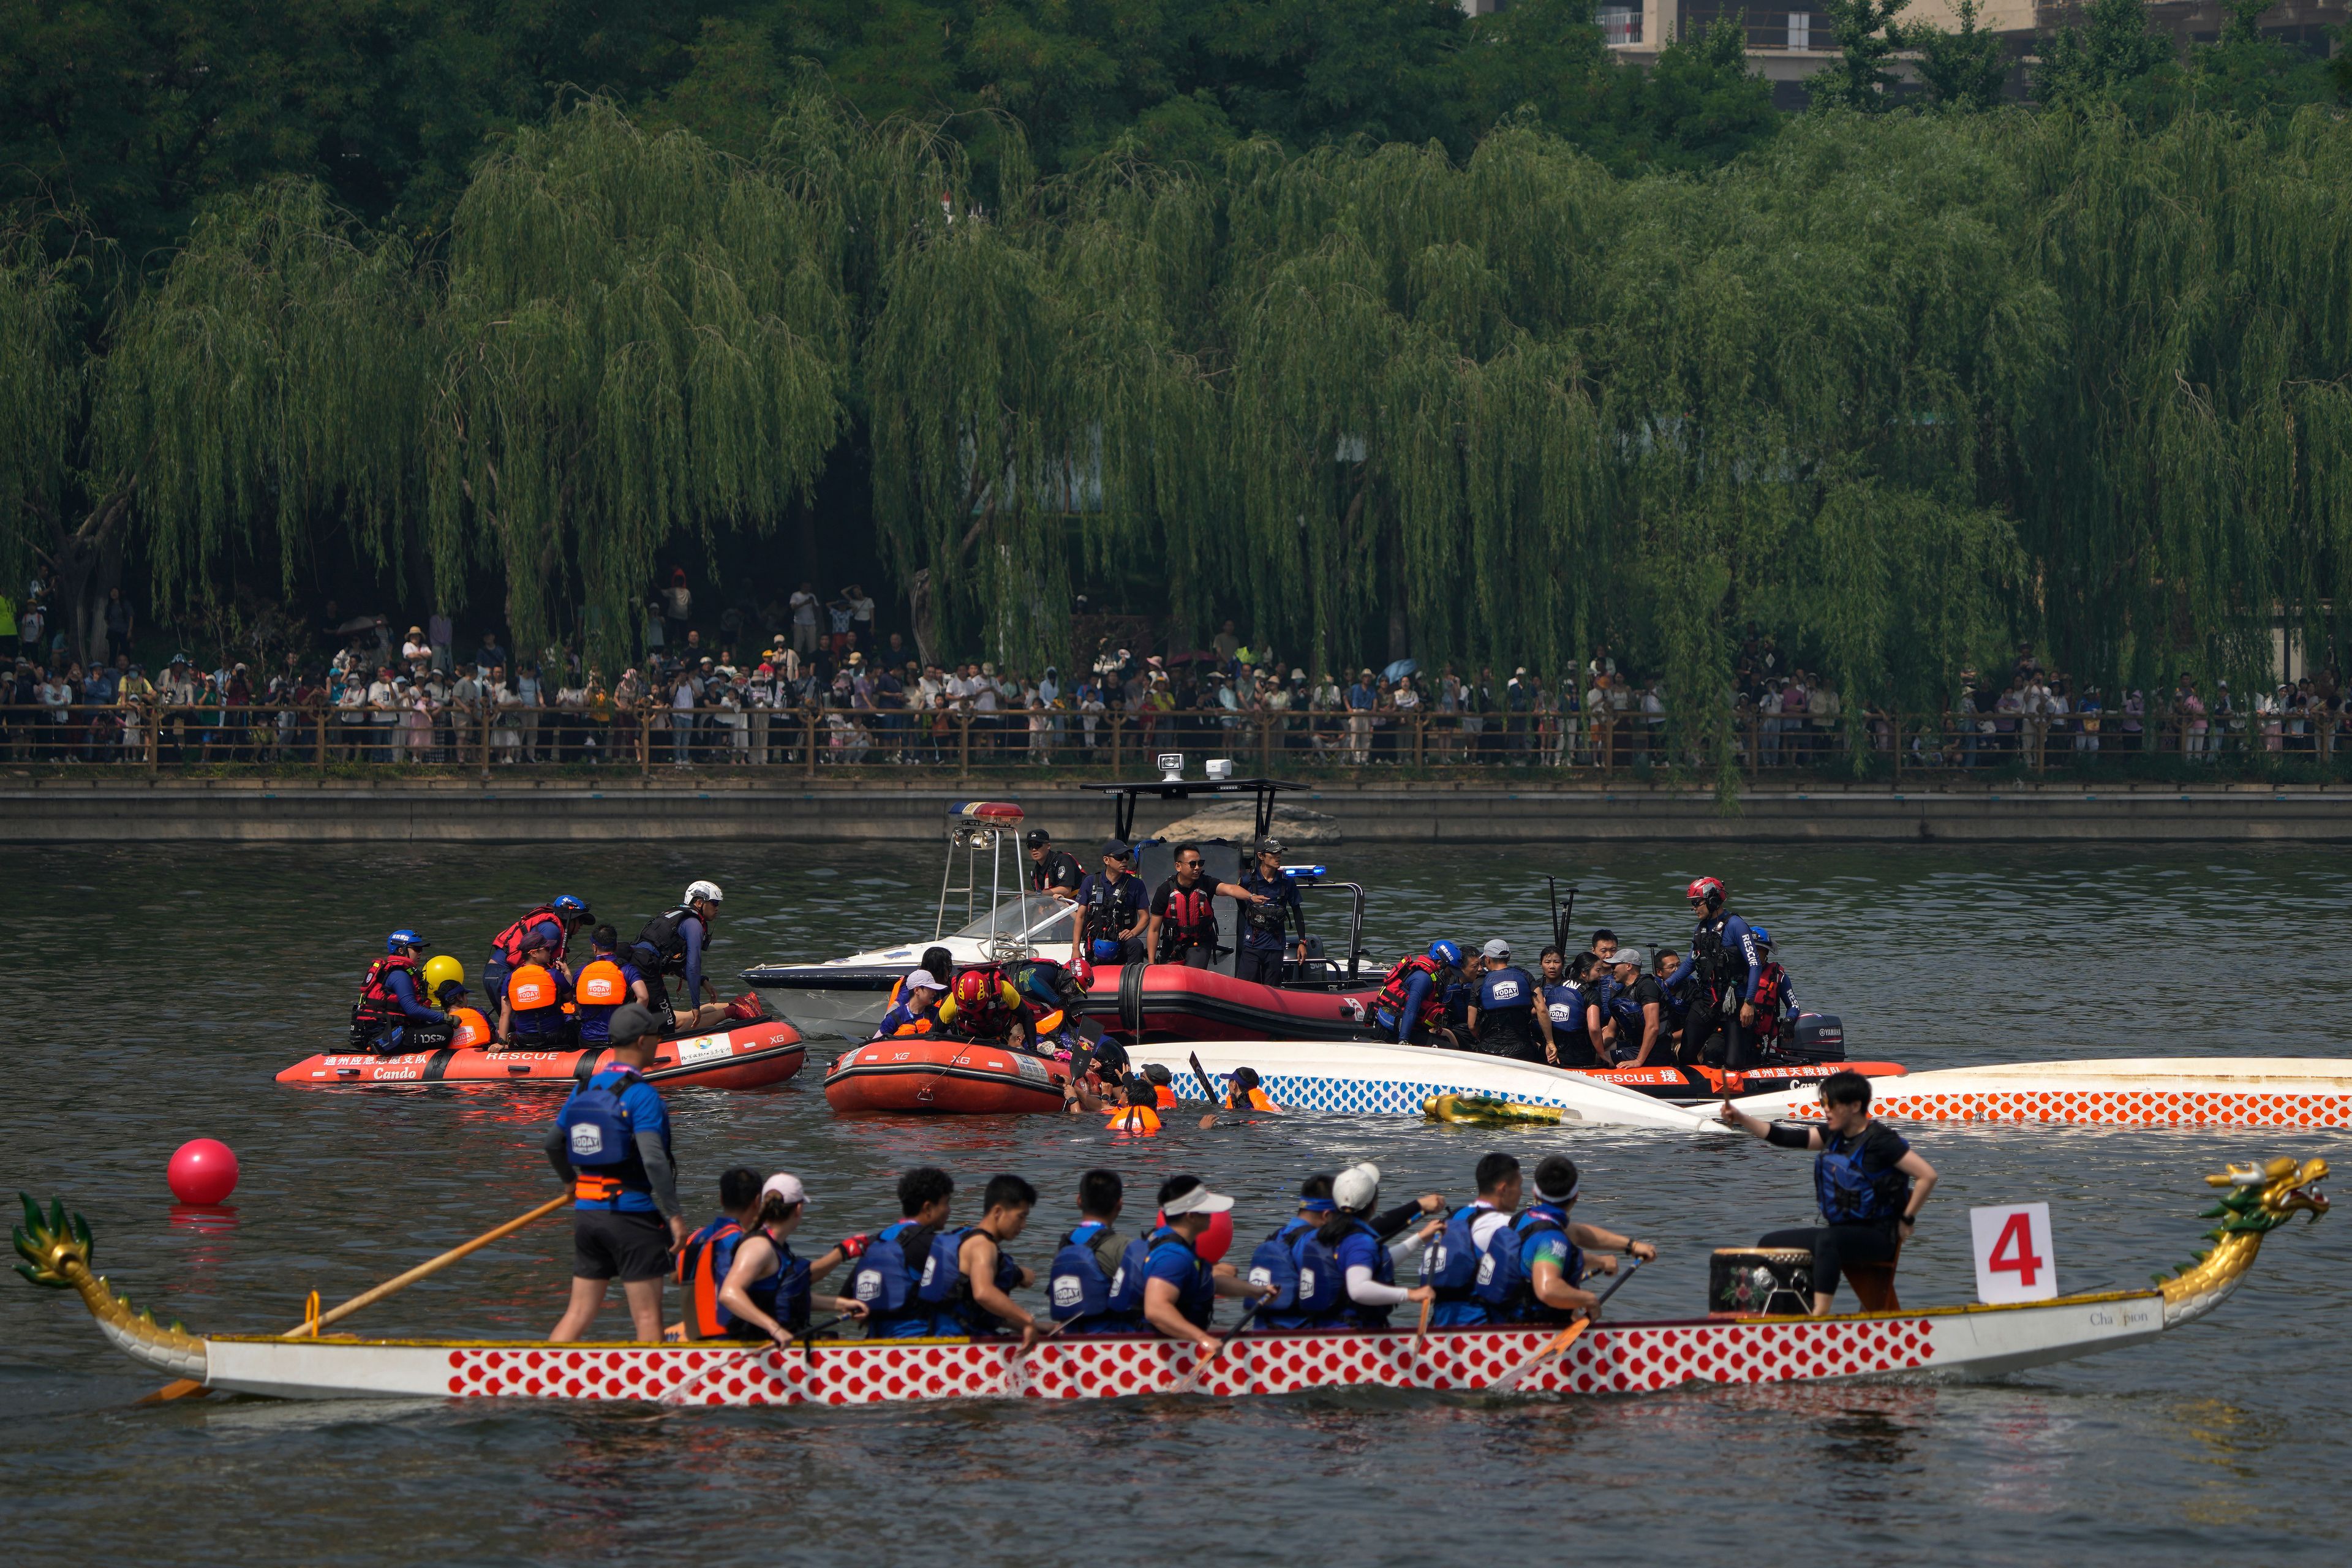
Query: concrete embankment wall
247, 811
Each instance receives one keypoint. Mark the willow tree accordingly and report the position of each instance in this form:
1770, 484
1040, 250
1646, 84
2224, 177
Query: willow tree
645, 338
40, 394
268, 387
2183, 482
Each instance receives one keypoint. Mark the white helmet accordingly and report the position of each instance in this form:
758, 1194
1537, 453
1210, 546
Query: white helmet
703, 890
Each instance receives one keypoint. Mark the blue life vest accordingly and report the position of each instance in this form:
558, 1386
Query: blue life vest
1345, 1310
888, 1286
601, 1143
1850, 1195
1304, 1273
703, 1265
1196, 1298
949, 1294
783, 1295
1530, 1230
1077, 1286
1470, 1280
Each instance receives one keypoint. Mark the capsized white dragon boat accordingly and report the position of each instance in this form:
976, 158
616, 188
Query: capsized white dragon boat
1938, 1342
2123, 1092
1395, 1081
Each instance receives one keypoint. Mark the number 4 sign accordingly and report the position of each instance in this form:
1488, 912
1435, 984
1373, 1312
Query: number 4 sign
2015, 1261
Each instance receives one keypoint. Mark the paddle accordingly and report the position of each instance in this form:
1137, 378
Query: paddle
1567, 1336
808, 1337
1207, 1088
310, 1327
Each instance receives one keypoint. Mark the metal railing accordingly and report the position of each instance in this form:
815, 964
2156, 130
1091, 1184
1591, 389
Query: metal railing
157, 738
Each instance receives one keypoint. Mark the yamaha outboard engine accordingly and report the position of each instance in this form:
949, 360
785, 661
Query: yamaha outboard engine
1819, 1038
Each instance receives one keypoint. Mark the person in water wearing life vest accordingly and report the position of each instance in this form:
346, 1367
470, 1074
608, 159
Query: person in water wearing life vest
472, 1030
392, 1014
608, 981
1721, 1028
611, 1142
1139, 1111
917, 1010
1636, 1032
1165, 1281
673, 943
1272, 908
1111, 911
1245, 1092
548, 928
1052, 872
1081, 1278
1503, 1019
1869, 1183
768, 1291
1411, 1007
1183, 924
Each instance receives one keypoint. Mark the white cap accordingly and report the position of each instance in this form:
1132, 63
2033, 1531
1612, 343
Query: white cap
1357, 1187
785, 1186
702, 890
1498, 948
1200, 1199
925, 979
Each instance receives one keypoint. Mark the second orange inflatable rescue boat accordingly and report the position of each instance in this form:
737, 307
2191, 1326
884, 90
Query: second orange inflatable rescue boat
926, 1076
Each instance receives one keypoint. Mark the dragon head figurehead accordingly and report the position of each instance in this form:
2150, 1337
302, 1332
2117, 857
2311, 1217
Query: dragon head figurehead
55, 1247
2255, 1200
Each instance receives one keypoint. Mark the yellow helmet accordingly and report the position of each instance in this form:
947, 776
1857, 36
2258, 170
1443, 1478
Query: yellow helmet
439, 969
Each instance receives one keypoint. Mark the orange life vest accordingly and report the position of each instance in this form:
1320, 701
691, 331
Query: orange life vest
601, 984
473, 1029
531, 988
1164, 1096
378, 1003
1239, 1099
1135, 1118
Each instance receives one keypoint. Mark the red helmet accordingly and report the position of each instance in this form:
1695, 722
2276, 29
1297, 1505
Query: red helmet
1707, 891
975, 988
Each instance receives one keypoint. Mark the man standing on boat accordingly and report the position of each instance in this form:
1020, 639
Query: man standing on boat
1871, 1184
1272, 903
611, 1142
1730, 965
1052, 870
1184, 916
1112, 913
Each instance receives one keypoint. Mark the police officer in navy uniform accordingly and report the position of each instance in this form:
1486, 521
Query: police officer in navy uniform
1504, 1018
611, 1144
1052, 870
1273, 904
1869, 1183
1111, 911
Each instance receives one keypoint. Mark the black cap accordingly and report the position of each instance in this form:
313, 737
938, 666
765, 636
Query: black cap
1113, 847
1037, 838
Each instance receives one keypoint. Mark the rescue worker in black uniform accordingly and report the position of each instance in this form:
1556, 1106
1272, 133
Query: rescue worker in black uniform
1052, 870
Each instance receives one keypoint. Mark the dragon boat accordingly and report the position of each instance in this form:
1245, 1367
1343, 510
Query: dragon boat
745, 1056
1951, 1343
2125, 1091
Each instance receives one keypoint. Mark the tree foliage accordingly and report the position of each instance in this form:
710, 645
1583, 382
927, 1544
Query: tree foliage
1963, 68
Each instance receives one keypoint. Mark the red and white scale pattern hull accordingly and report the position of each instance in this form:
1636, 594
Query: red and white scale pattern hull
2138, 1091
1632, 1358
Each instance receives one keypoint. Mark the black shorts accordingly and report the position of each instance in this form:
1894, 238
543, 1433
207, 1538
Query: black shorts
606, 1243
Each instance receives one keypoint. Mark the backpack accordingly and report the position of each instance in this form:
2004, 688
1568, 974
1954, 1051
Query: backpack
597, 1128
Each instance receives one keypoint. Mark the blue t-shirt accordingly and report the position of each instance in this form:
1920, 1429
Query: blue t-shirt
1196, 1290
1358, 1250
403, 990
1506, 989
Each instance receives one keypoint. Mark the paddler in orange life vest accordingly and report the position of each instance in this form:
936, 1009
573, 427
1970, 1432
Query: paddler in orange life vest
741, 1278
392, 1014
606, 981
548, 927
611, 1144
917, 1010
1182, 927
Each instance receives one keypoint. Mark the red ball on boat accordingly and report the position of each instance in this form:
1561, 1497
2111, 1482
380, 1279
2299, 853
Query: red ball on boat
203, 1170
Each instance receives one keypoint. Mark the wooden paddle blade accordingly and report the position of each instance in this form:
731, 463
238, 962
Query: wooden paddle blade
179, 1388
1559, 1342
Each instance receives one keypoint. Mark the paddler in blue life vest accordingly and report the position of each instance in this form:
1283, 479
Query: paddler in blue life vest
1183, 924
976, 1299
1363, 1255
392, 1014
891, 1268
1869, 1183
611, 1142
1273, 906
1081, 1278
1505, 1019
768, 1291
1554, 1249
1165, 1281
1480, 1264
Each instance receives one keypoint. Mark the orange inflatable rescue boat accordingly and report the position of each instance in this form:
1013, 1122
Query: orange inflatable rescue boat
925, 1075
747, 1056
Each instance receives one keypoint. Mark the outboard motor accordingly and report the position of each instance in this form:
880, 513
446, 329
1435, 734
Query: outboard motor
1819, 1038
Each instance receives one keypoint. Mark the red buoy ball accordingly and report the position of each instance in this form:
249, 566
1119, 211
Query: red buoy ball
1218, 1238
203, 1170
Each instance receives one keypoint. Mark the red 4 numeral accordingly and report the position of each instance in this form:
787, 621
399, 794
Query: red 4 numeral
2013, 1253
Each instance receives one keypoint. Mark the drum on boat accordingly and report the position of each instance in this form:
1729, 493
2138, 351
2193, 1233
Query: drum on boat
1760, 1282
748, 1056
929, 1075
